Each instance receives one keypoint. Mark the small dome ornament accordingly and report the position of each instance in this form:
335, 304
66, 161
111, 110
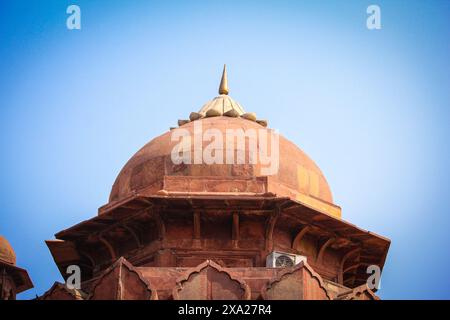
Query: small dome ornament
223, 88
222, 105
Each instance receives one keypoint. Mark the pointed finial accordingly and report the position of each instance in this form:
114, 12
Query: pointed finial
223, 88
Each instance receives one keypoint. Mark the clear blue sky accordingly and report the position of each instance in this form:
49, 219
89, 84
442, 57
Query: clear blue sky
372, 108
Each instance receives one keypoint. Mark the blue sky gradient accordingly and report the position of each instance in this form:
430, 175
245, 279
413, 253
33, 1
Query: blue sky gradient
371, 107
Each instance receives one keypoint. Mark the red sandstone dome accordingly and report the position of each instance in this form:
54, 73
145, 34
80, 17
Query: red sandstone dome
13, 279
7, 254
152, 168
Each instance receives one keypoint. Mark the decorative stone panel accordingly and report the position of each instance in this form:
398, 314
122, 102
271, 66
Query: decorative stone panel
210, 281
122, 281
297, 283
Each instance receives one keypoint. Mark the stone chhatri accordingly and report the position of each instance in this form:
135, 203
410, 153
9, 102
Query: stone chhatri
198, 231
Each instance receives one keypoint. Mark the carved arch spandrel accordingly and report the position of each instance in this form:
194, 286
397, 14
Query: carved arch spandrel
210, 281
284, 286
122, 281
